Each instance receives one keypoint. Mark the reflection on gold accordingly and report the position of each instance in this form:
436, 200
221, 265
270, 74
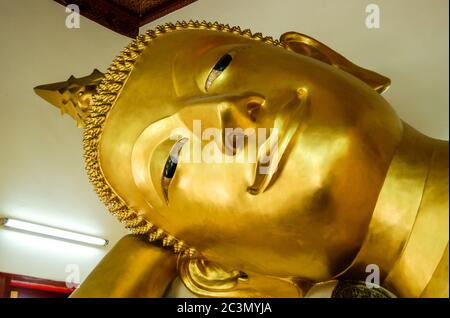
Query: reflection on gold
353, 185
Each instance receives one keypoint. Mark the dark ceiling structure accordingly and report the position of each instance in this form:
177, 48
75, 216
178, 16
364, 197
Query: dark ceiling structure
125, 16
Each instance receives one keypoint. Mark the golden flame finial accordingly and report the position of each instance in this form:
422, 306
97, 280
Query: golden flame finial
73, 96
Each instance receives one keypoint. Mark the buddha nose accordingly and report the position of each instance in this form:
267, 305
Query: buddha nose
286, 123
230, 114
224, 111
240, 120
242, 112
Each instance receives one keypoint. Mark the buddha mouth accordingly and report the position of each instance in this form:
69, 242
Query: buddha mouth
274, 149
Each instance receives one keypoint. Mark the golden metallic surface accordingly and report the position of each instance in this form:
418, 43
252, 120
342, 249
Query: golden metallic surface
437, 287
428, 240
133, 268
330, 144
211, 280
408, 233
306, 45
395, 212
72, 96
353, 185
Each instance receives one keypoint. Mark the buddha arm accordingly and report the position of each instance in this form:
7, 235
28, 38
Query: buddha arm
133, 268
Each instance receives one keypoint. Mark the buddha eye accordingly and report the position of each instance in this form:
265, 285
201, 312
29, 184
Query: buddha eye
220, 66
171, 165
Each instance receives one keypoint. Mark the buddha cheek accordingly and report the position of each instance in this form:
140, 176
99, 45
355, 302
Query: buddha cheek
202, 195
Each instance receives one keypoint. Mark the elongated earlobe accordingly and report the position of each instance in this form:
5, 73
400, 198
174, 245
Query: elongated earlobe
209, 279
305, 45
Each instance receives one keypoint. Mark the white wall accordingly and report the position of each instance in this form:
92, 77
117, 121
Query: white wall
42, 176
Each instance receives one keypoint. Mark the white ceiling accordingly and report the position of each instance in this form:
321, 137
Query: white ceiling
42, 175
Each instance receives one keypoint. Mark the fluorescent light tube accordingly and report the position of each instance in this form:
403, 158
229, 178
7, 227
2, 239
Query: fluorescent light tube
53, 232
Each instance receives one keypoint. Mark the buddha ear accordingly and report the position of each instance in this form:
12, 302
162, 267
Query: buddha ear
305, 45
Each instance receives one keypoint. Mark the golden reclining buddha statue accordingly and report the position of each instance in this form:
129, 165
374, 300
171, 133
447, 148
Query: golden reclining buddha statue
351, 187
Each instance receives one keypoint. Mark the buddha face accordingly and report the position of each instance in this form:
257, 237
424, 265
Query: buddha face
307, 215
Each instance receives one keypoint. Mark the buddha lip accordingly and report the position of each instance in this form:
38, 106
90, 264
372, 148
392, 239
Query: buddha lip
287, 126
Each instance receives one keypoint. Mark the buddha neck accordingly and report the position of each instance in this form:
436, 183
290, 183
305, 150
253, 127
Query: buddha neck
408, 234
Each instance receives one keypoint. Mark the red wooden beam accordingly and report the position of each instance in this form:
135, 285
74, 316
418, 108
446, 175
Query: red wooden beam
163, 10
107, 14
118, 18
44, 287
27, 282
